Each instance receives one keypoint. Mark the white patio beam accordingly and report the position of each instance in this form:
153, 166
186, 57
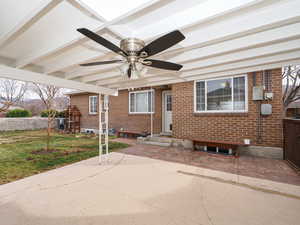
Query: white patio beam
256, 53
152, 77
244, 70
29, 76
44, 7
235, 71
209, 42
76, 41
255, 22
84, 8
265, 38
73, 60
207, 61
230, 69
245, 63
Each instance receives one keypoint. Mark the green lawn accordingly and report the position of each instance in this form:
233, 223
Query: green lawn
18, 157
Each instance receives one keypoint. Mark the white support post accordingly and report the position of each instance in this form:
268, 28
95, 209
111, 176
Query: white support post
103, 124
100, 127
151, 113
106, 107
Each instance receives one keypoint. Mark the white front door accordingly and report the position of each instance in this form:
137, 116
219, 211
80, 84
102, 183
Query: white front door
167, 111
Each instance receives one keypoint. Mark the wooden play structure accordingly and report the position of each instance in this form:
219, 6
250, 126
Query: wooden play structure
72, 122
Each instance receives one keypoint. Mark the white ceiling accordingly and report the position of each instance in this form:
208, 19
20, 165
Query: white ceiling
222, 38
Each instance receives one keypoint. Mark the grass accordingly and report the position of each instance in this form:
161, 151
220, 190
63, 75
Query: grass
18, 158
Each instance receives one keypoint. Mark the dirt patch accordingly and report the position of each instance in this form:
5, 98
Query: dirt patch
14, 139
44, 151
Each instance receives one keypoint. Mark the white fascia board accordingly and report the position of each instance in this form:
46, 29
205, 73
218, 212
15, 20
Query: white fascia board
29, 76
44, 7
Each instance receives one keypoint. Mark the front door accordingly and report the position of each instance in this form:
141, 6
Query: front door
167, 111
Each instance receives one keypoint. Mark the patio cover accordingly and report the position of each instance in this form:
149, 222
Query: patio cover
39, 41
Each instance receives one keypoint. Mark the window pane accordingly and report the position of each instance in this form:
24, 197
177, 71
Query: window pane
200, 96
132, 102
169, 102
239, 93
219, 95
141, 102
267, 79
93, 104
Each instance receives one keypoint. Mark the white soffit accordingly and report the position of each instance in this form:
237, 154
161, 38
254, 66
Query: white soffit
222, 37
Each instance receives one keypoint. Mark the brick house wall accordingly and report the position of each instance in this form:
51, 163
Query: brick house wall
187, 124
229, 126
119, 116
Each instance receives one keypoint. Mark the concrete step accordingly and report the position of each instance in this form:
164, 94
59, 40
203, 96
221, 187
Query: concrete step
160, 139
156, 143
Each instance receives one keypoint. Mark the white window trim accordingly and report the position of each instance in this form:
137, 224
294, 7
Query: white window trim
144, 91
90, 97
221, 111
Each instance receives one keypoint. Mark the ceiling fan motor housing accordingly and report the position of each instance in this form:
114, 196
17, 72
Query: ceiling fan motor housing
132, 46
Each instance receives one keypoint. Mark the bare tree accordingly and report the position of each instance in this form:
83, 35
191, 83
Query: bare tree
291, 81
11, 92
47, 94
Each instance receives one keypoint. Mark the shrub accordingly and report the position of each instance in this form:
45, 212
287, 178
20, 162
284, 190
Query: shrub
61, 114
18, 113
45, 113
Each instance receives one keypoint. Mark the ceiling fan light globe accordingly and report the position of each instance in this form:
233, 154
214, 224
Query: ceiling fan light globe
144, 71
123, 69
135, 75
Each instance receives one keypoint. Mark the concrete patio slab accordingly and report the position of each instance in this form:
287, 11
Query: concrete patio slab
137, 190
249, 166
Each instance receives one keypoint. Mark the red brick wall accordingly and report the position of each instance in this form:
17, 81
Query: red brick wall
187, 124
119, 116
82, 102
228, 126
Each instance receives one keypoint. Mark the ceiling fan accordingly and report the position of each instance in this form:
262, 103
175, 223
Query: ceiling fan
136, 53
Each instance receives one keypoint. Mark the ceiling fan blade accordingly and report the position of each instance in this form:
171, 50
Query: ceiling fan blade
100, 40
163, 43
101, 63
163, 64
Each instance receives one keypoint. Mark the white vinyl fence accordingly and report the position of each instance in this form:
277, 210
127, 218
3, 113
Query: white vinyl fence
32, 123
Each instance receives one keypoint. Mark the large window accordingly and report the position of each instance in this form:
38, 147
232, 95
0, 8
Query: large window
93, 104
141, 101
221, 95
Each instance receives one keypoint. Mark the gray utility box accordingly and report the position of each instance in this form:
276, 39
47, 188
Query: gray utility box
258, 93
266, 109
